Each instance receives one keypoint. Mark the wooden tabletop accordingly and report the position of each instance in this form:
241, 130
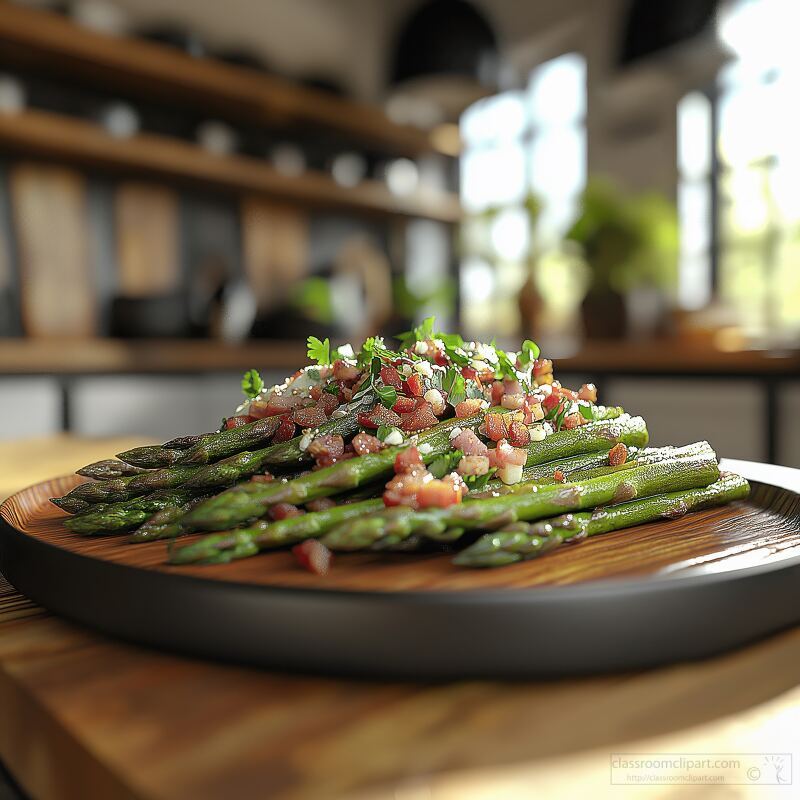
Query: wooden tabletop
84, 716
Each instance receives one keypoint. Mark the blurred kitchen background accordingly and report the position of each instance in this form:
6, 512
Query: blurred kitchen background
189, 189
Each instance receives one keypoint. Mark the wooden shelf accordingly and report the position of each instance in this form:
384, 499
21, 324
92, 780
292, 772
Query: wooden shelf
97, 356
42, 134
32, 39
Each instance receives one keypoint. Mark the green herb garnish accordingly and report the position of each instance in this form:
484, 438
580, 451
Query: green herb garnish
445, 463
252, 384
319, 351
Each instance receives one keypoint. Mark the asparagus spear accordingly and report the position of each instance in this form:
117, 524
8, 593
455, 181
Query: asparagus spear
108, 468
251, 500
223, 473
522, 541
219, 548
109, 517
447, 524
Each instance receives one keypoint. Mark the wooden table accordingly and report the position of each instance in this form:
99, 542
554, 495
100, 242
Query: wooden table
82, 716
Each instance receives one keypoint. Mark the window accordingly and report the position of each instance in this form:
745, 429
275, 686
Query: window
739, 145
521, 148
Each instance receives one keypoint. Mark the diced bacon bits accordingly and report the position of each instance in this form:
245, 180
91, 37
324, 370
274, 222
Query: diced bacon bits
469, 374
345, 372
512, 401
328, 403
320, 504
559, 477
505, 454
541, 368
313, 556
238, 422
511, 386
266, 477
588, 392
284, 511
469, 407
572, 421
391, 377
404, 404
473, 465
497, 392
309, 417
329, 445
363, 444
278, 404
518, 434
379, 415
285, 430
469, 444
414, 385
440, 493
618, 455
419, 419
315, 392
495, 426
402, 489
532, 410
408, 460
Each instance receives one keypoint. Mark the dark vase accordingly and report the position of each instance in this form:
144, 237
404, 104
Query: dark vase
604, 314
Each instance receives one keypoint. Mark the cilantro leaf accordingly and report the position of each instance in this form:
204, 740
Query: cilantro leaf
252, 383
453, 383
478, 483
505, 366
454, 348
587, 411
319, 351
419, 333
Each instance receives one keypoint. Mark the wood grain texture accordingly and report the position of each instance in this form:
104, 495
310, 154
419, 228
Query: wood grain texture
83, 716
764, 528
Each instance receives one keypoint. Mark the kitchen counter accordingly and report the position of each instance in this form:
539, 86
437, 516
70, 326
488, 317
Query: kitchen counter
83, 716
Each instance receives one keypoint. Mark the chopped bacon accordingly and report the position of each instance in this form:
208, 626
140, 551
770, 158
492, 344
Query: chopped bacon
363, 443
564, 392
315, 392
532, 410
496, 426
420, 418
473, 465
618, 455
506, 455
328, 403
309, 417
266, 477
511, 386
404, 404
469, 407
572, 421
345, 393
284, 511
542, 367
345, 372
329, 445
413, 385
328, 461
314, 556
285, 429
469, 444
518, 434
559, 476
441, 493
408, 460
497, 392
379, 415
588, 392
391, 377
512, 401
320, 504
402, 489
469, 374
238, 422
277, 404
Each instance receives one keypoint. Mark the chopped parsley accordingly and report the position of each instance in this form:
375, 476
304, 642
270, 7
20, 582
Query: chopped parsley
252, 384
